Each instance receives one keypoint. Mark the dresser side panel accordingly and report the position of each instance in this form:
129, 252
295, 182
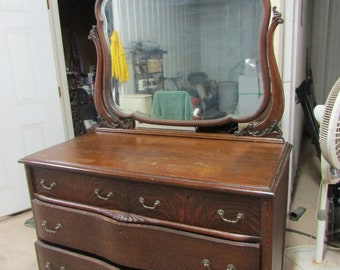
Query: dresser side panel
280, 217
273, 220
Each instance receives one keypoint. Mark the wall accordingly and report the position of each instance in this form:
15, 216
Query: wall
325, 44
155, 22
232, 29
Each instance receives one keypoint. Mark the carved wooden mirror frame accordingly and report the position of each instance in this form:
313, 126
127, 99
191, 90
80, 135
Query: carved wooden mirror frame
270, 111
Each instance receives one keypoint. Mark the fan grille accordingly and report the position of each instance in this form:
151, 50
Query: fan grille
330, 128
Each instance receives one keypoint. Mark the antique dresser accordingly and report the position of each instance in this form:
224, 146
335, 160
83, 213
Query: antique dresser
130, 195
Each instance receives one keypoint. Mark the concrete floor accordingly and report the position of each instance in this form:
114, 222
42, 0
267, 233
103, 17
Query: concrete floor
17, 243
17, 250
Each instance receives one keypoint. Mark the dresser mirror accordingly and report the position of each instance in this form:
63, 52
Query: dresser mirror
195, 63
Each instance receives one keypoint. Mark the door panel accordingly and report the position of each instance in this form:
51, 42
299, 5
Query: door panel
31, 117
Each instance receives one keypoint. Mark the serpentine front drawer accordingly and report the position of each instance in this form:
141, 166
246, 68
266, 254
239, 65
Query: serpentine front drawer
140, 246
54, 258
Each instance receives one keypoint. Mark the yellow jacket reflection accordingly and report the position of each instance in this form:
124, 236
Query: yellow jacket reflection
118, 60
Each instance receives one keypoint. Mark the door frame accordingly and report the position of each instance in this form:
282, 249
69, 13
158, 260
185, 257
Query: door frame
59, 56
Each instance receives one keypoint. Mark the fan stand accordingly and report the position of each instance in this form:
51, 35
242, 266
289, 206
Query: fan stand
321, 225
322, 215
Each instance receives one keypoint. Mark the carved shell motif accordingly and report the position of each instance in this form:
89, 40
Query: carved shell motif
128, 217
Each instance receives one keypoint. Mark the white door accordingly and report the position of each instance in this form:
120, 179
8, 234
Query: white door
30, 111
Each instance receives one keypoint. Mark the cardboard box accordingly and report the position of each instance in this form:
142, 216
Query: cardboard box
154, 65
136, 102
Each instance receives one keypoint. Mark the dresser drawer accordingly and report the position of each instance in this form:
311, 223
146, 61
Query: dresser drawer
80, 188
54, 258
140, 246
223, 212
156, 201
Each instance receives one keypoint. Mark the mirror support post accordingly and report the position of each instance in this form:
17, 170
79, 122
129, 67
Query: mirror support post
270, 126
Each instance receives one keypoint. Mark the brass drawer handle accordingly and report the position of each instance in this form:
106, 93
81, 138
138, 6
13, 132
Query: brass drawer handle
52, 185
155, 204
239, 216
48, 266
108, 196
57, 227
206, 263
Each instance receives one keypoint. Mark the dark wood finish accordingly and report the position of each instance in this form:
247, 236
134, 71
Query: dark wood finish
192, 175
163, 159
150, 199
84, 189
270, 124
55, 258
140, 246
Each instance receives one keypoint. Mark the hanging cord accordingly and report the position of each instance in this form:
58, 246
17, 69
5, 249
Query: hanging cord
313, 237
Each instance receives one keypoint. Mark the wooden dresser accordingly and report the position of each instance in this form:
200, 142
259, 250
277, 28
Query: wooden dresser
127, 198
160, 200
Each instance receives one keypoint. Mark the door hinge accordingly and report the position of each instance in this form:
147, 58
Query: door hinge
59, 91
48, 4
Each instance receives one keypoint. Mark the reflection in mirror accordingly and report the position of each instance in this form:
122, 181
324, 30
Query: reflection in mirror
185, 59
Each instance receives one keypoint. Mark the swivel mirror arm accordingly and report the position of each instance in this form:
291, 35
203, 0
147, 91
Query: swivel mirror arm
104, 117
270, 126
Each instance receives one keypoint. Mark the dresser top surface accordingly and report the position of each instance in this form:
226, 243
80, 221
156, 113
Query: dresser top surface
210, 162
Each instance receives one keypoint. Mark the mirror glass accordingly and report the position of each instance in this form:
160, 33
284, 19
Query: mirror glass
184, 59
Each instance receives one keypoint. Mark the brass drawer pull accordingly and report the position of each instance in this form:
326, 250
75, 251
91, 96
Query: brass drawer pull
48, 266
156, 203
239, 216
57, 227
42, 183
206, 263
108, 196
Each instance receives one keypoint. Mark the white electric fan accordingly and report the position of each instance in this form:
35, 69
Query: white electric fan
329, 136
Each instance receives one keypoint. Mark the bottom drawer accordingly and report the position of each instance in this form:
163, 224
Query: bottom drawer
140, 246
53, 258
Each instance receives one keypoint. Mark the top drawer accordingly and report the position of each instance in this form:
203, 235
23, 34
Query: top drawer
80, 188
223, 212
218, 211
